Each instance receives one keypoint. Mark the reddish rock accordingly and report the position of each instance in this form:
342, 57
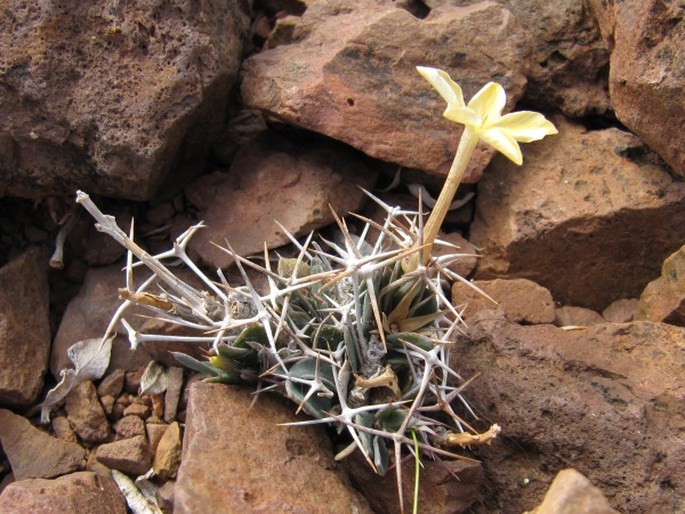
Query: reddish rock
572, 493
62, 429
571, 316
273, 181
132, 381
523, 301
129, 426
160, 351
154, 432
80, 492
464, 266
647, 43
24, 328
108, 403
173, 393
349, 72
236, 459
446, 487
34, 454
608, 398
621, 311
96, 248
168, 453
165, 496
112, 384
131, 456
113, 97
567, 219
568, 61
138, 409
86, 415
664, 298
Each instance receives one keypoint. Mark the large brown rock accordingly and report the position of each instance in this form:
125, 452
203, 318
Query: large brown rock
609, 399
236, 459
112, 97
33, 453
647, 43
591, 216
567, 67
349, 72
274, 181
83, 492
24, 328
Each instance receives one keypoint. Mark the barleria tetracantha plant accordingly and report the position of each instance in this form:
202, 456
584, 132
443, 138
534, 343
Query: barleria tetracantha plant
356, 331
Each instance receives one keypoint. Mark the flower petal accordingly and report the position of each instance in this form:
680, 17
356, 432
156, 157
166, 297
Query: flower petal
462, 115
441, 81
488, 103
526, 126
502, 142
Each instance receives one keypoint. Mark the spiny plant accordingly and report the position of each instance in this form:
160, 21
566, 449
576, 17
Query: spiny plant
355, 331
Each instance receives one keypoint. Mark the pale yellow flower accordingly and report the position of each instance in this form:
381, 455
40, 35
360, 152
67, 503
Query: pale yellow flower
483, 115
482, 119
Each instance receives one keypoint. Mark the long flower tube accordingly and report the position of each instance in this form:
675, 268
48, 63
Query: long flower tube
482, 119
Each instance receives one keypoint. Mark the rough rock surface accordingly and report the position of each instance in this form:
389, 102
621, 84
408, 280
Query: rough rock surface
446, 487
621, 311
647, 65
82, 492
132, 456
609, 399
522, 301
111, 97
24, 328
236, 459
568, 62
572, 493
349, 72
570, 315
589, 216
85, 414
273, 181
33, 453
664, 298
